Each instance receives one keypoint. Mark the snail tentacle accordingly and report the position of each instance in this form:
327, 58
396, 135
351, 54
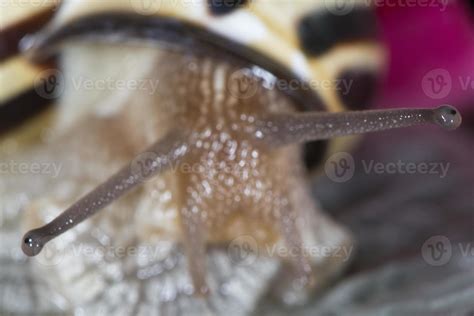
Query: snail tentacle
194, 242
294, 241
165, 152
283, 129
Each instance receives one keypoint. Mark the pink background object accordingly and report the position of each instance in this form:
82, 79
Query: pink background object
431, 55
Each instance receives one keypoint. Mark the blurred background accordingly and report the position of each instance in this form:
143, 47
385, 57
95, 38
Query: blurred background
415, 232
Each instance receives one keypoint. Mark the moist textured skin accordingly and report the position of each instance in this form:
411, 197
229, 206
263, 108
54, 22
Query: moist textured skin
229, 154
229, 183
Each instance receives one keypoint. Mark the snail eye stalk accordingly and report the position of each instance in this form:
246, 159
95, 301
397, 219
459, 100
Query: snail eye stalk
166, 152
283, 129
275, 130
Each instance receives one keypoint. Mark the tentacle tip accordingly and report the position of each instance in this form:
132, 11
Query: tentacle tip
32, 244
202, 291
31, 46
27, 46
27, 43
448, 117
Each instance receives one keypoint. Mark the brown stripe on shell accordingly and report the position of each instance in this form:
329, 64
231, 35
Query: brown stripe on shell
22, 107
314, 153
32, 101
178, 34
320, 31
471, 5
11, 35
223, 7
363, 85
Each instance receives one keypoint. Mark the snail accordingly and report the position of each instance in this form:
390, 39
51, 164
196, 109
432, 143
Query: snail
225, 128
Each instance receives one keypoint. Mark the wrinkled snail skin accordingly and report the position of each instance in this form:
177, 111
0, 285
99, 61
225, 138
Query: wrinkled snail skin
216, 120
257, 134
